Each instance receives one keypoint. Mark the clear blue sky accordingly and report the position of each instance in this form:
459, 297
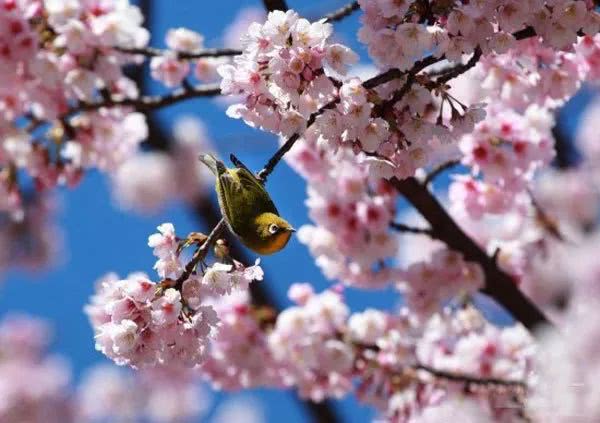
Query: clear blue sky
100, 238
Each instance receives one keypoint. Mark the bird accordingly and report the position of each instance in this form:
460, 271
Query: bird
247, 207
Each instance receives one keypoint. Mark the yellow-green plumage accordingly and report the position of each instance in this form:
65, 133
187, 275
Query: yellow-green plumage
248, 208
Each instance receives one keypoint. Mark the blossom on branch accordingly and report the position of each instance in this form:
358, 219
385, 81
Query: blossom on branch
145, 324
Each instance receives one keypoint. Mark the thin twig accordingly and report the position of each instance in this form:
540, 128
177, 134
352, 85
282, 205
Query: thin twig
394, 73
461, 68
439, 170
181, 55
410, 79
472, 380
200, 254
147, 103
286, 146
399, 94
401, 227
342, 12
545, 220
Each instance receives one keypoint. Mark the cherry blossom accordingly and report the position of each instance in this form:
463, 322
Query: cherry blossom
51, 62
283, 84
474, 84
145, 324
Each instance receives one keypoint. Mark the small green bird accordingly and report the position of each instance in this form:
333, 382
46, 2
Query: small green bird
248, 208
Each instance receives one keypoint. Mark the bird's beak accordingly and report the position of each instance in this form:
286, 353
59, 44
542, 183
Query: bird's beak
292, 230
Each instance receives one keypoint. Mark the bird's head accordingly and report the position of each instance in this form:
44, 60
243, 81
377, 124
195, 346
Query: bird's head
272, 233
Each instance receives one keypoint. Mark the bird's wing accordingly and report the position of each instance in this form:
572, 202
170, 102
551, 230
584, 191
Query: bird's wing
227, 187
255, 192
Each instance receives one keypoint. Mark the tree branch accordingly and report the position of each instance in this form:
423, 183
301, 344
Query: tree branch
271, 5
342, 12
566, 153
401, 227
498, 284
147, 103
200, 253
181, 55
461, 68
286, 146
439, 170
472, 380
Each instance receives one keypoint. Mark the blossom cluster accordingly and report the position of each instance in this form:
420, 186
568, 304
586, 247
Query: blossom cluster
398, 33
507, 148
533, 73
319, 347
240, 355
281, 72
305, 341
55, 56
142, 323
427, 285
284, 91
352, 212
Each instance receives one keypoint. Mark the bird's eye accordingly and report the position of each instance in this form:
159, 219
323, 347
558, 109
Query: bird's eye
273, 229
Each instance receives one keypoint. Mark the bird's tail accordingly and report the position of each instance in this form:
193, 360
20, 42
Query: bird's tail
216, 166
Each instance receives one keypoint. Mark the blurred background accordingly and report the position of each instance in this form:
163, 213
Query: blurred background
91, 232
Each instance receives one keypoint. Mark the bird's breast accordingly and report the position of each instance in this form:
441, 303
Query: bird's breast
273, 244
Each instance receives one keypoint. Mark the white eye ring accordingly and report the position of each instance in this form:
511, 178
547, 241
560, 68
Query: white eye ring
273, 229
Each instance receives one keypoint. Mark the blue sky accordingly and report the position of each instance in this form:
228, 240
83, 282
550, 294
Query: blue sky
100, 238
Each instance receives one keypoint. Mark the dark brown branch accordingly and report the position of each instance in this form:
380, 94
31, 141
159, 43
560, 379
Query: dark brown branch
410, 79
394, 73
525, 33
181, 55
549, 224
472, 380
286, 146
401, 227
439, 170
461, 68
383, 78
342, 12
271, 5
334, 16
399, 94
498, 284
276, 158
566, 153
147, 103
468, 380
